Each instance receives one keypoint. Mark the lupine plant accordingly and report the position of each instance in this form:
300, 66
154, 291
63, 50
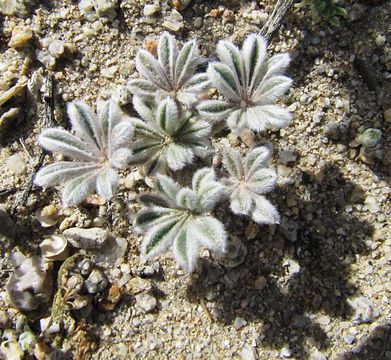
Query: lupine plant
172, 74
249, 180
98, 145
180, 216
168, 136
174, 129
327, 9
250, 84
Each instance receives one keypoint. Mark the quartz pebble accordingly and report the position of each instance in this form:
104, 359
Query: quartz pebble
285, 352
96, 282
150, 9
248, 352
146, 302
21, 36
364, 310
16, 163
174, 22
372, 204
239, 323
287, 155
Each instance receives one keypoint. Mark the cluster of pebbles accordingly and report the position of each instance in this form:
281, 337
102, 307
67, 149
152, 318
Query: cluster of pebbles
316, 286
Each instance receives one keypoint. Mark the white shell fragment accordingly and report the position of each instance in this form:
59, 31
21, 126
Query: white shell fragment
16, 90
54, 248
31, 284
47, 216
92, 238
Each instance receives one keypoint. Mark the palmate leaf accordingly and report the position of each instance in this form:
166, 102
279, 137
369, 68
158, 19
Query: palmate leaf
100, 146
62, 171
160, 237
178, 156
169, 137
214, 109
149, 68
173, 73
207, 231
254, 53
249, 178
225, 80
178, 216
248, 81
142, 87
167, 54
186, 63
62, 141
168, 116
264, 212
85, 123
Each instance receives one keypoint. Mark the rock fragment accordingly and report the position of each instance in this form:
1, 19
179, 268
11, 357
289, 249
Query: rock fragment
92, 238
146, 302
21, 36
96, 282
31, 284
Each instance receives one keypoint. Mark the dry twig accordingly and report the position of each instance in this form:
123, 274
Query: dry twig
275, 19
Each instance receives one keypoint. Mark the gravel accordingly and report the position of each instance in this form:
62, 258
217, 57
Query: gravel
305, 286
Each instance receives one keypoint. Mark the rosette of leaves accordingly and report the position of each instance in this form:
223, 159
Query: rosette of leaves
97, 145
181, 217
327, 9
250, 84
168, 136
249, 180
172, 73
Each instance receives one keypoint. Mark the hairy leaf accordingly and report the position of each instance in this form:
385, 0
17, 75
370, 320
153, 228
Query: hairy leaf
225, 80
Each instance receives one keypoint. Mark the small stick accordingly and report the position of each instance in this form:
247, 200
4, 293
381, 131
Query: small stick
275, 19
49, 121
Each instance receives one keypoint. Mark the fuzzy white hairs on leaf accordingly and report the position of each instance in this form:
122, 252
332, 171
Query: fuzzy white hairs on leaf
98, 146
250, 84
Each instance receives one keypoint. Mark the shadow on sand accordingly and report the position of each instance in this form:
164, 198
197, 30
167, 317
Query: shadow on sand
327, 239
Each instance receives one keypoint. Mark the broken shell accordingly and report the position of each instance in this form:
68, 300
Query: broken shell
11, 349
47, 216
370, 138
16, 90
34, 85
9, 115
31, 284
235, 254
54, 248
